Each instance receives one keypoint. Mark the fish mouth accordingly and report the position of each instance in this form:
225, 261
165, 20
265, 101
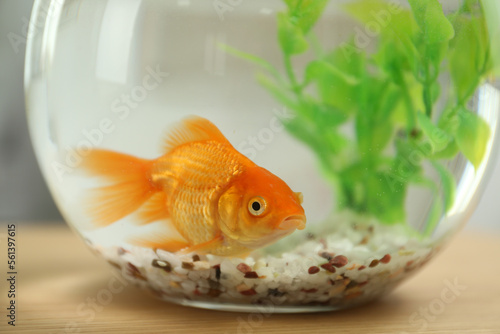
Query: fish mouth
293, 222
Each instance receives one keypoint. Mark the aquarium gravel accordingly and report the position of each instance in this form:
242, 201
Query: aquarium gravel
350, 265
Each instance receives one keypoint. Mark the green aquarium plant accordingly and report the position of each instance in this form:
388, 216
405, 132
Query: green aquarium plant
369, 114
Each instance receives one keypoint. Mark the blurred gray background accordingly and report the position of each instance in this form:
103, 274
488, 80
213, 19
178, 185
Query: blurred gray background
23, 193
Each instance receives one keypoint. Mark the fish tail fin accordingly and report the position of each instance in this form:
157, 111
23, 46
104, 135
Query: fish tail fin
130, 185
154, 209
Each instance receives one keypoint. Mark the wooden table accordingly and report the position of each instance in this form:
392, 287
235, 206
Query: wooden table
58, 279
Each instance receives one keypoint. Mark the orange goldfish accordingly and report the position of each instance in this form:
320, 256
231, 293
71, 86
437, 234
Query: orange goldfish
218, 200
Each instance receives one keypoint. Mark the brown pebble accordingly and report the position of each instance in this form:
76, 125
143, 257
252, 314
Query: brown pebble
353, 295
374, 263
339, 261
313, 270
244, 268
362, 267
329, 267
251, 274
196, 258
249, 292
165, 265
386, 258
214, 293
187, 265
134, 272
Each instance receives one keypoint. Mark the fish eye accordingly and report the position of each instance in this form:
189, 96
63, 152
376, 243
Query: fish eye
257, 206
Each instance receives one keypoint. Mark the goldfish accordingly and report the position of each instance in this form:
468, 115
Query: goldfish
219, 201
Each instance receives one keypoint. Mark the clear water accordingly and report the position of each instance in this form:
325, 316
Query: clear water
119, 74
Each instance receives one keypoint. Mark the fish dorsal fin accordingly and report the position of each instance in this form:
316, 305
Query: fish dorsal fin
193, 129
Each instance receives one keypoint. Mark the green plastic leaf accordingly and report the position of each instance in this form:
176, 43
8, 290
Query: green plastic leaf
409, 157
327, 116
449, 152
436, 28
435, 213
301, 131
251, 58
350, 59
438, 138
390, 17
372, 138
468, 6
386, 202
278, 92
395, 25
335, 141
472, 136
465, 59
306, 12
435, 54
448, 121
336, 89
491, 8
290, 36
436, 210
448, 185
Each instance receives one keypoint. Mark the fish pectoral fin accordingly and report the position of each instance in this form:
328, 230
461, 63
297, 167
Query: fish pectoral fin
162, 242
204, 247
193, 129
154, 209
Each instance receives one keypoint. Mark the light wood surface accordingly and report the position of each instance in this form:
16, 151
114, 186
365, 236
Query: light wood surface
58, 277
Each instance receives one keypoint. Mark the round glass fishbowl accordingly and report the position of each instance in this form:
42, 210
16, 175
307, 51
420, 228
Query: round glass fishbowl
305, 155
